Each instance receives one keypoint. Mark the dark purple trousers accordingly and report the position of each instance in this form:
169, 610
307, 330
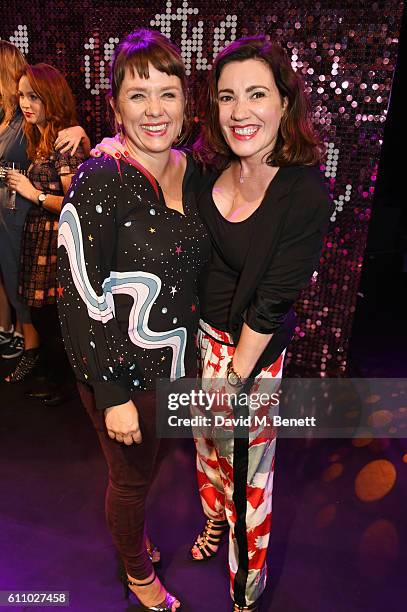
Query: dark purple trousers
131, 472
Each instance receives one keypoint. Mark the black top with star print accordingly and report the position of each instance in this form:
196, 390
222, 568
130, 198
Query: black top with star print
127, 276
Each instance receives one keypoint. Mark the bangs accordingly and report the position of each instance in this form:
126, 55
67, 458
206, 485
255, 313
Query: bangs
137, 62
138, 50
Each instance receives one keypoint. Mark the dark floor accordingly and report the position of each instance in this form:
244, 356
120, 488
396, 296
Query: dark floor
330, 551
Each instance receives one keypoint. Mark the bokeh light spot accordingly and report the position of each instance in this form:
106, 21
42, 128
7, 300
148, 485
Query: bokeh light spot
360, 442
375, 480
335, 457
372, 399
332, 472
380, 418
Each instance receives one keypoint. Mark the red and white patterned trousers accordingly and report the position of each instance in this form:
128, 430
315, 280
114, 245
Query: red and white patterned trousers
235, 476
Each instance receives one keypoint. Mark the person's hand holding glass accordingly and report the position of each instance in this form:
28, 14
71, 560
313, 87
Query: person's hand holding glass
8, 194
18, 182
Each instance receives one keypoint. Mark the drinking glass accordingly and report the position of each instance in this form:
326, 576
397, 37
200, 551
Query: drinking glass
9, 195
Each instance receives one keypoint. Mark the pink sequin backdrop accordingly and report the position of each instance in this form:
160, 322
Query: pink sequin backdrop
346, 52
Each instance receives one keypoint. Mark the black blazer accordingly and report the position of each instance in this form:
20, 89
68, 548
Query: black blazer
290, 228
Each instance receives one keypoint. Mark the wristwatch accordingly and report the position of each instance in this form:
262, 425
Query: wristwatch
233, 377
41, 199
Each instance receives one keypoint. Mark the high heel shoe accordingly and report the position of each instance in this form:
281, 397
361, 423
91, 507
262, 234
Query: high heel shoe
212, 534
29, 360
164, 606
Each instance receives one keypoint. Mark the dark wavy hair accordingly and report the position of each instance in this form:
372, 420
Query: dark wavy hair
296, 144
136, 51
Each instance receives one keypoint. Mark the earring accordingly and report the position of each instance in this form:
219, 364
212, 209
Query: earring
120, 131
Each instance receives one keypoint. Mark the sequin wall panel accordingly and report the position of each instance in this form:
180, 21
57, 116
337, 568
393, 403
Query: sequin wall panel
345, 51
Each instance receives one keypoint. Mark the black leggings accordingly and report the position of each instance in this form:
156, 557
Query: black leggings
131, 472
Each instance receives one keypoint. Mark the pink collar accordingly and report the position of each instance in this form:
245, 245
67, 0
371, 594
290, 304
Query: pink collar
142, 169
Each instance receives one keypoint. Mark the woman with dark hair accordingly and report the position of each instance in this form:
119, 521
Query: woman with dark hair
266, 210
131, 247
13, 151
48, 106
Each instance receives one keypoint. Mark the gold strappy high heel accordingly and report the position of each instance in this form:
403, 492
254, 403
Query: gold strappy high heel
212, 534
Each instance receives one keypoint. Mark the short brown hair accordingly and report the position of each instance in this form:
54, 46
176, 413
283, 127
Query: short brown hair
296, 144
140, 48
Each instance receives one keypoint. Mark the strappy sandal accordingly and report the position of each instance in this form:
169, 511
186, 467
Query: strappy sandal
212, 534
164, 606
153, 552
25, 366
254, 607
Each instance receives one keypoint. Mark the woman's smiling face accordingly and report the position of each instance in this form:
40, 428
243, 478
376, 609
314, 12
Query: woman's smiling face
150, 110
250, 108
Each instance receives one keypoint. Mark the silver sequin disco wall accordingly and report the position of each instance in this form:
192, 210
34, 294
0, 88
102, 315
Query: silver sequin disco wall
345, 51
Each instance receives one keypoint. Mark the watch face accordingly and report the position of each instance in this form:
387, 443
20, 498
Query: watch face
233, 379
